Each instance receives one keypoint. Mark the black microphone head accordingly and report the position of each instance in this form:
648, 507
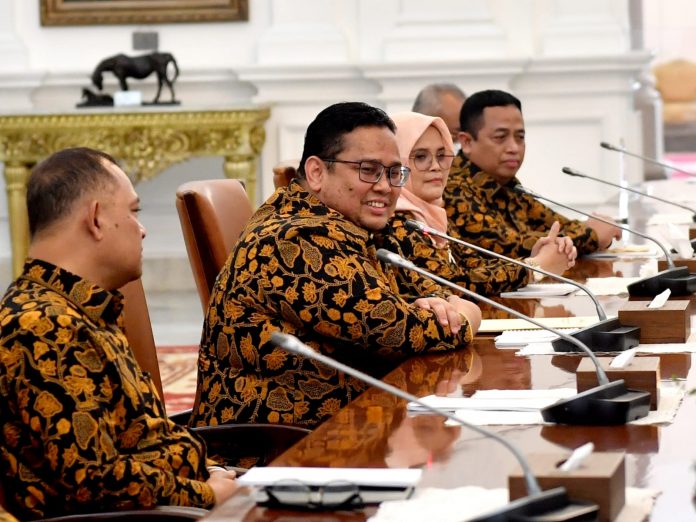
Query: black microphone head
572, 172
412, 224
522, 189
609, 146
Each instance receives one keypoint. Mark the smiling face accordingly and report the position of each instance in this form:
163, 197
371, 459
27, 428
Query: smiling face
429, 183
499, 146
338, 185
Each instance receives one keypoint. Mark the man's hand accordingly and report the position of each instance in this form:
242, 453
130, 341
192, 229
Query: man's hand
605, 233
553, 253
223, 482
449, 312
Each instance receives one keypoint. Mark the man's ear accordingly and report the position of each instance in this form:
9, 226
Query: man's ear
93, 219
465, 139
315, 170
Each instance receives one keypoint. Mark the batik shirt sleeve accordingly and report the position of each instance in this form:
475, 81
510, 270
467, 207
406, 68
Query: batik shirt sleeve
458, 264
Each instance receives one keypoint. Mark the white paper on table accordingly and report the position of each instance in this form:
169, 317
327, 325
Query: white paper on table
542, 290
465, 503
376, 477
626, 251
521, 400
501, 325
484, 403
671, 396
524, 337
544, 348
689, 347
610, 285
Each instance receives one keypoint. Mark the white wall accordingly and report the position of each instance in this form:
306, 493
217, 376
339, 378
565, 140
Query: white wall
569, 62
669, 29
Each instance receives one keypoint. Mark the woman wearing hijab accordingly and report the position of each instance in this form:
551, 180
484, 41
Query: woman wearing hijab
425, 145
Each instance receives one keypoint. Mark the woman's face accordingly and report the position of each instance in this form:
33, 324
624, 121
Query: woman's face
429, 162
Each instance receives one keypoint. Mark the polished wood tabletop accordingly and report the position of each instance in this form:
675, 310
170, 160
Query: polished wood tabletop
375, 431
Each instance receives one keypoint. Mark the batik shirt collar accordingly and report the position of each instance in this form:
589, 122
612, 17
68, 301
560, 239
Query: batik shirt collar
95, 302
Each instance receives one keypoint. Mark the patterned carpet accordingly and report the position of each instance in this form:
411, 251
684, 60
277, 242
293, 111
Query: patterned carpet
178, 370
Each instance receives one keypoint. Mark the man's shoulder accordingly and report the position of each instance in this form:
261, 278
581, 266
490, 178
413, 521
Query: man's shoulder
28, 300
303, 224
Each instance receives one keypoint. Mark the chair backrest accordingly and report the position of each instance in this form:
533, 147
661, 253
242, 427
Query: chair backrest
213, 214
138, 329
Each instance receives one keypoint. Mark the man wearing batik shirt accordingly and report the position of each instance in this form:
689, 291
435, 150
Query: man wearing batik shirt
306, 265
83, 429
480, 200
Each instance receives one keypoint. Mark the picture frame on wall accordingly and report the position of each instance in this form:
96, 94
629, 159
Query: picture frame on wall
105, 12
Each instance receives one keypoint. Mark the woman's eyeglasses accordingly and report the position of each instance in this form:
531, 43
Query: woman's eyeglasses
424, 159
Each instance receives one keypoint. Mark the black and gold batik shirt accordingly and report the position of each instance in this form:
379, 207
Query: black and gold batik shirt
304, 269
498, 218
83, 429
458, 264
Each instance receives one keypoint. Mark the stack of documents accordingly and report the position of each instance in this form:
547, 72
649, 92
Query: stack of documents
542, 290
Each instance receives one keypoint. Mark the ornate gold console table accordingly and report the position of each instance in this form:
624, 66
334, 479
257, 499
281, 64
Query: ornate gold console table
145, 142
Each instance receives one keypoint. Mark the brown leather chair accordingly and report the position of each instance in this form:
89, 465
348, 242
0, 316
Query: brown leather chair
257, 443
284, 172
213, 213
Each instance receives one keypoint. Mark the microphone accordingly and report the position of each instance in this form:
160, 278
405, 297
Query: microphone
677, 279
610, 403
606, 336
577, 174
552, 503
614, 148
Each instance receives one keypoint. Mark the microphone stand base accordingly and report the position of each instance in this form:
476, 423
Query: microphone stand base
548, 506
677, 279
606, 405
606, 336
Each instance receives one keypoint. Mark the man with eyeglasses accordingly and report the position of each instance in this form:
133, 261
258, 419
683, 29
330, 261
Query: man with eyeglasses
306, 265
480, 198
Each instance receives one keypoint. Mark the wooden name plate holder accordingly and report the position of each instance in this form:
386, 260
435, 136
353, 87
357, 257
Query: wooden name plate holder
669, 324
689, 263
643, 373
601, 478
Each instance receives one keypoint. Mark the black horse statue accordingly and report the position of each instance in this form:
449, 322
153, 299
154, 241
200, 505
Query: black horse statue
138, 67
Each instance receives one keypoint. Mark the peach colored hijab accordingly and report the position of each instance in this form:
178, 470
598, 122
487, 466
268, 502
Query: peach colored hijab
410, 126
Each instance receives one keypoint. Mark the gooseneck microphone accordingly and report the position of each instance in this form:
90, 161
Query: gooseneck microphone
609, 403
677, 279
606, 336
654, 161
578, 174
554, 501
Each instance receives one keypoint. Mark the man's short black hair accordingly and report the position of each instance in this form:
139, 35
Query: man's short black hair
471, 116
324, 137
62, 179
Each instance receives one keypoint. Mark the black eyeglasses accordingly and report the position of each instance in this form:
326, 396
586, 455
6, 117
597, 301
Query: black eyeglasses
423, 159
371, 171
332, 495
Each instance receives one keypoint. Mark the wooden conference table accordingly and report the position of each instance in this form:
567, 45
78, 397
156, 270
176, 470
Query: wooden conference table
374, 430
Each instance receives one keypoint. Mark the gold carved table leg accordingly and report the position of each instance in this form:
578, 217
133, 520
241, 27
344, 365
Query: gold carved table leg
243, 169
16, 176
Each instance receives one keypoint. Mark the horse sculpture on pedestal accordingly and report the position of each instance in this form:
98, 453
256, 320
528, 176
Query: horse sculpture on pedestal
138, 67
